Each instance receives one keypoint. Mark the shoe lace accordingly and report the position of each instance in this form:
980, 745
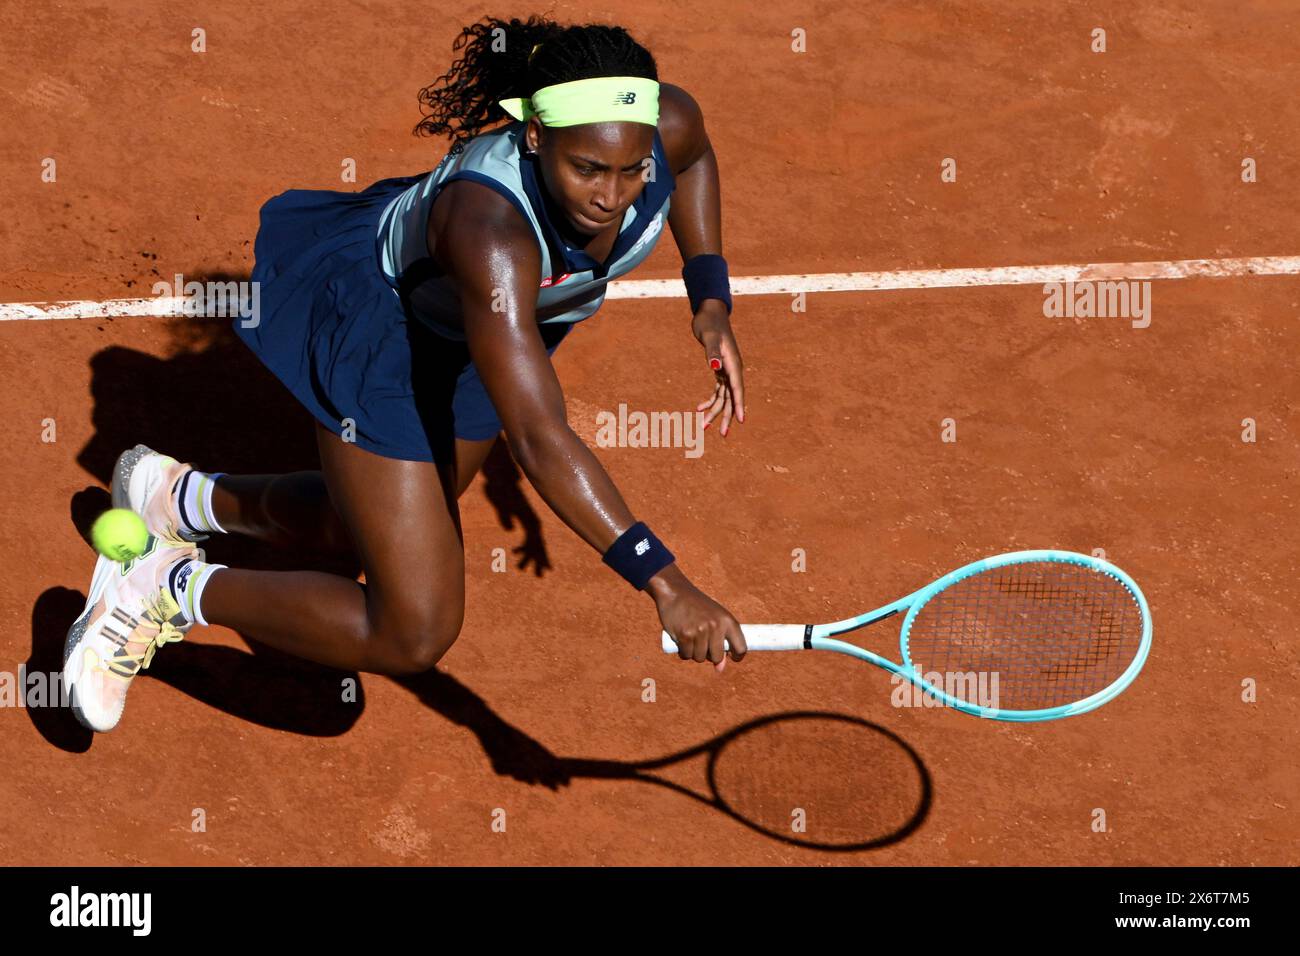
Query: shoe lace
125, 666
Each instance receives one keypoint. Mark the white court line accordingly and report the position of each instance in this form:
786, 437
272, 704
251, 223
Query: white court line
783, 284
952, 278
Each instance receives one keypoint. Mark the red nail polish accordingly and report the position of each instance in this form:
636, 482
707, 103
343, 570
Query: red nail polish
715, 364
706, 425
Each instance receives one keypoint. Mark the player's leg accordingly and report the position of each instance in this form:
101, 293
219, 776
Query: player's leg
470, 456
402, 514
295, 510
405, 522
291, 511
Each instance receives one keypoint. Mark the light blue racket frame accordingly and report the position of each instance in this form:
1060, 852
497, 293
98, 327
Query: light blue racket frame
818, 637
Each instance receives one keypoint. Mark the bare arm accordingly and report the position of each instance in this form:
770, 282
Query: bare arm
696, 214
696, 222
494, 256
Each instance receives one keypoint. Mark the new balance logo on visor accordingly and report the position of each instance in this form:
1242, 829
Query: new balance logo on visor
642, 546
625, 98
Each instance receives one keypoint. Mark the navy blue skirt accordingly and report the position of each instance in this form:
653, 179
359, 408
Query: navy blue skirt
343, 341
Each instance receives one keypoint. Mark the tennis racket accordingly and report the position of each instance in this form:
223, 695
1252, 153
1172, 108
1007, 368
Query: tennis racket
1051, 634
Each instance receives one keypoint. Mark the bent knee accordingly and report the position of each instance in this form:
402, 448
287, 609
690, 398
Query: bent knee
419, 645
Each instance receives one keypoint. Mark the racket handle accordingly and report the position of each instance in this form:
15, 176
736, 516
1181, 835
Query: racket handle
758, 637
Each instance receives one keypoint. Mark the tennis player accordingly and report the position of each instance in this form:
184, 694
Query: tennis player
415, 320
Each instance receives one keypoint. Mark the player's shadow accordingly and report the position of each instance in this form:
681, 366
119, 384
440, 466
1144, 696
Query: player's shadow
858, 785
212, 403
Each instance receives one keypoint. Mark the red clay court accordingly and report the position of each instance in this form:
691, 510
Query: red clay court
1072, 433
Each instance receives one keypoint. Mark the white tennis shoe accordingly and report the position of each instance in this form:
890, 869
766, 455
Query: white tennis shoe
144, 481
129, 614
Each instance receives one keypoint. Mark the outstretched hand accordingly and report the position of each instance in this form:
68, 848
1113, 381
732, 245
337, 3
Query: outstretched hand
712, 329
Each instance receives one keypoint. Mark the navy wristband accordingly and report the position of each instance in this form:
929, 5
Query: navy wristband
638, 555
706, 278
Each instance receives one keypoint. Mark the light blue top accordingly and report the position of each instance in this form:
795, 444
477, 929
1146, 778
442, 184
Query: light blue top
573, 283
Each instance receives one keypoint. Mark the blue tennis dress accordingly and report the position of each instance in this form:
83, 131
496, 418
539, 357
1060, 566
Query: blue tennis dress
359, 323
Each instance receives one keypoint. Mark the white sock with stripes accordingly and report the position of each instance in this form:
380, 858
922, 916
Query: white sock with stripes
193, 500
186, 580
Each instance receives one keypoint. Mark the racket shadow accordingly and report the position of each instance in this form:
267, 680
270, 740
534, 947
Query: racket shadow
813, 779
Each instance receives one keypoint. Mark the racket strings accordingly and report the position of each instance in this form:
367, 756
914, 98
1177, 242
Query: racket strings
1027, 636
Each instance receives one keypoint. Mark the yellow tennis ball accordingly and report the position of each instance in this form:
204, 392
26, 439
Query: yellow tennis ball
119, 534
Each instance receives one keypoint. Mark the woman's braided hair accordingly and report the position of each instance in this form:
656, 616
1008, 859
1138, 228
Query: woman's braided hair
504, 58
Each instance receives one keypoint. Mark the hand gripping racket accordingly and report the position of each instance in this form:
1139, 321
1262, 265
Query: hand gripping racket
1052, 633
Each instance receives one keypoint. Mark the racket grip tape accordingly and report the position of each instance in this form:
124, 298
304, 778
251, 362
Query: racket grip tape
758, 637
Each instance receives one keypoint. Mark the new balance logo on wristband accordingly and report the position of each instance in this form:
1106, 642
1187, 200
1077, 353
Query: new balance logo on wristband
638, 555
